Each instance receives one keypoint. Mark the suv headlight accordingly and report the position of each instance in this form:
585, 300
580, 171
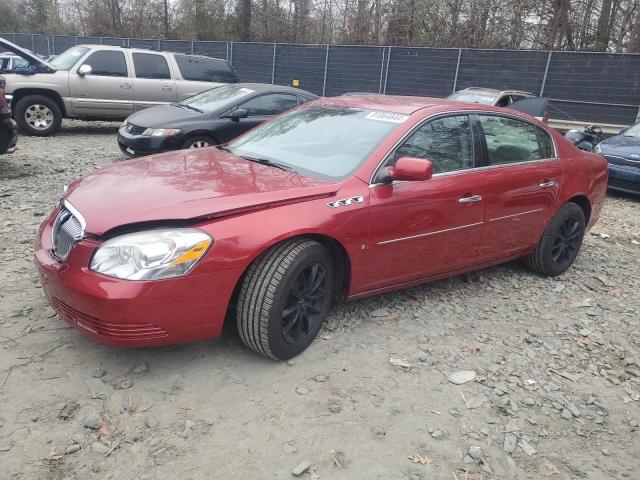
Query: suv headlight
597, 149
151, 255
124, 124
160, 132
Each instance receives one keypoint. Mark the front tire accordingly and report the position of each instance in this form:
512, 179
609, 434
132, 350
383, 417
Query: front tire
560, 242
199, 141
285, 297
38, 115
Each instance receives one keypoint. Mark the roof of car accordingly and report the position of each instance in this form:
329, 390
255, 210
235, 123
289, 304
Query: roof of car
390, 103
493, 91
146, 50
268, 87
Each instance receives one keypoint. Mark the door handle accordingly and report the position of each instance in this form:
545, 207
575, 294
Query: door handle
126, 86
548, 184
470, 199
167, 88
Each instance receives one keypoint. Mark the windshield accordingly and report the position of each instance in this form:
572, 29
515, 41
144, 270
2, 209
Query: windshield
216, 98
633, 131
68, 58
473, 98
322, 141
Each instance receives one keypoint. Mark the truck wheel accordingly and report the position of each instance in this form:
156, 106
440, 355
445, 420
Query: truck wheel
284, 298
560, 242
38, 115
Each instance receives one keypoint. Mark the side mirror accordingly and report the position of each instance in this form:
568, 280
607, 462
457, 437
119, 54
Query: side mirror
84, 69
623, 131
239, 113
411, 169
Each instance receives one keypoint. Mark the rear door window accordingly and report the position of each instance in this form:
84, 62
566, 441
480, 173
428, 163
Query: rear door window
270, 104
149, 65
205, 69
512, 141
107, 63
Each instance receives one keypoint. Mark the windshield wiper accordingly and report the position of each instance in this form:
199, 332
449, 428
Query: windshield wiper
182, 105
270, 163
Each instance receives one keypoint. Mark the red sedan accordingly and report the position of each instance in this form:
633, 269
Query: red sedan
339, 199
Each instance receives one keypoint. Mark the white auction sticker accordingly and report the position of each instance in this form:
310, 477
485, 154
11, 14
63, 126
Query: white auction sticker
387, 117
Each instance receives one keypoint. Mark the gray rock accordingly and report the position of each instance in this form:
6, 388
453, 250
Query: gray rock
72, 449
380, 312
140, 368
437, 434
606, 452
302, 391
98, 447
463, 376
335, 407
68, 410
301, 468
320, 378
527, 448
510, 442
289, 447
475, 452
97, 372
566, 414
575, 411
89, 417
97, 388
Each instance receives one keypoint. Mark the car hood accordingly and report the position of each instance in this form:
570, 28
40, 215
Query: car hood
185, 185
621, 145
163, 116
26, 54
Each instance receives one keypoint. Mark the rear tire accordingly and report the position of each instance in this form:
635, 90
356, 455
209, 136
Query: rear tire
560, 242
199, 141
285, 297
38, 115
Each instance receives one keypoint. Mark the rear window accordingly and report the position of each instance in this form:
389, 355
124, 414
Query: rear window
148, 65
205, 69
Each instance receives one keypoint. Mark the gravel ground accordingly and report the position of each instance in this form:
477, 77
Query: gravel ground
554, 390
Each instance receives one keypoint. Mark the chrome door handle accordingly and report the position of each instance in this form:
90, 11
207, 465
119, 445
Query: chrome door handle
126, 86
548, 184
470, 199
167, 88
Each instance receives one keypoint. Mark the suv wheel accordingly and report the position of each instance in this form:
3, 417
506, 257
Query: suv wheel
284, 298
199, 141
38, 115
560, 242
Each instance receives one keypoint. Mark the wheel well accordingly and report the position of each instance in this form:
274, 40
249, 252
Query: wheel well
584, 204
23, 92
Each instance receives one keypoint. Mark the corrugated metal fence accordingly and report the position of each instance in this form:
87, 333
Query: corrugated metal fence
585, 86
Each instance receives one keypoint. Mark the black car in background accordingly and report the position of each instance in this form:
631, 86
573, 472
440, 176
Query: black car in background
209, 118
8, 128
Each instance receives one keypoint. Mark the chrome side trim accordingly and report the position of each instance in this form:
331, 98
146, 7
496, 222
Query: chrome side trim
83, 100
464, 112
516, 214
428, 234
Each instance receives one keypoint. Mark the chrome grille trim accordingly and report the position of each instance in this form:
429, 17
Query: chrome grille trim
68, 229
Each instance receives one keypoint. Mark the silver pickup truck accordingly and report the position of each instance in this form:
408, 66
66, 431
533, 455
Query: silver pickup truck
103, 82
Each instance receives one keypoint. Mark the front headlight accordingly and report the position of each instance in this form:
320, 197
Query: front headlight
597, 149
160, 132
124, 124
151, 255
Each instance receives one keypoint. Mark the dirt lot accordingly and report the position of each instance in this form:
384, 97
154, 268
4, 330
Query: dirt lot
556, 392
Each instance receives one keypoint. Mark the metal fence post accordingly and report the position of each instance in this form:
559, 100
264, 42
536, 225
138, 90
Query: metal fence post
546, 71
381, 71
455, 80
273, 67
230, 53
326, 65
191, 47
386, 74
53, 40
33, 41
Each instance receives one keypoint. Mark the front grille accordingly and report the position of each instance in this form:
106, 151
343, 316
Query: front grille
67, 231
625, 162
135, 129
116, 331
